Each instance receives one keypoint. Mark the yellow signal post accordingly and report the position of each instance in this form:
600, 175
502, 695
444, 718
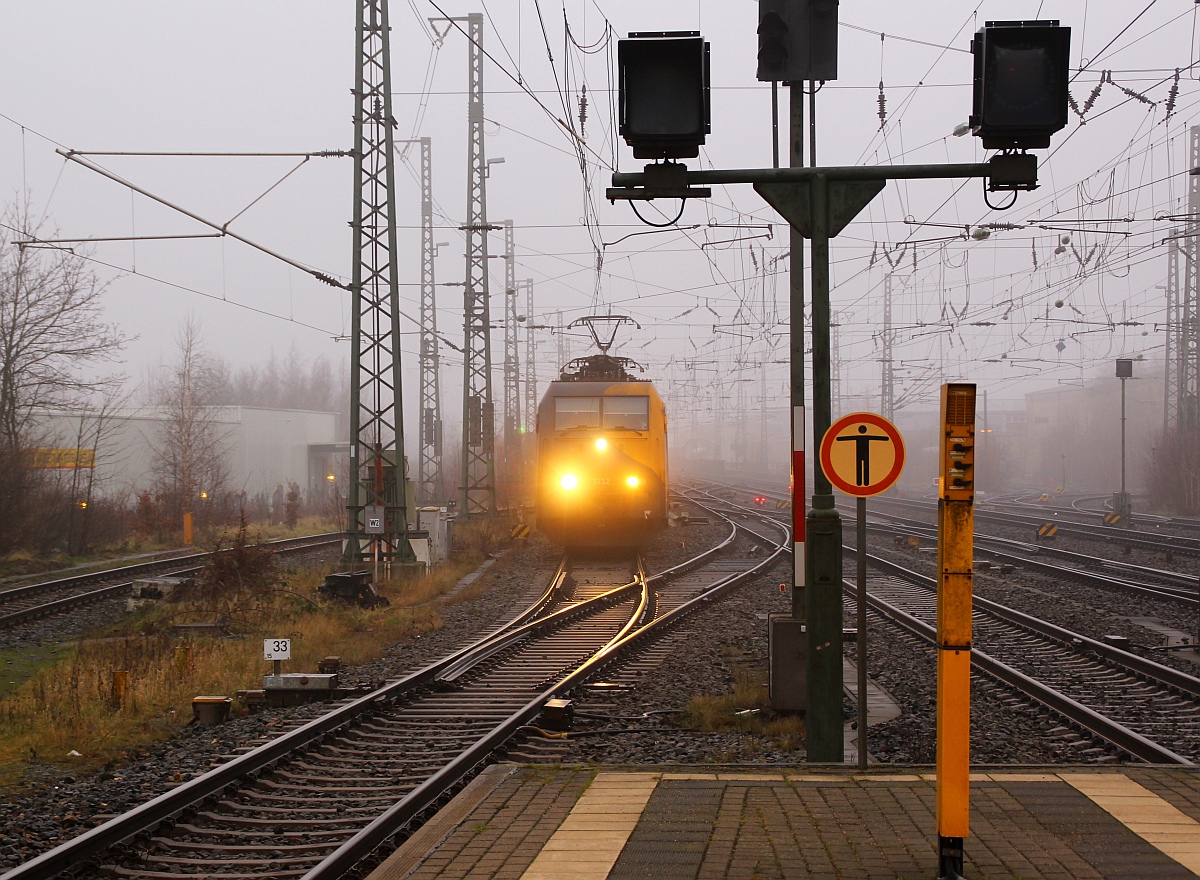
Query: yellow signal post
955, 587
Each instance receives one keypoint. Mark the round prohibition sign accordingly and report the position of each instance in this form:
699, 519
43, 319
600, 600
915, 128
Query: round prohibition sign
862, 454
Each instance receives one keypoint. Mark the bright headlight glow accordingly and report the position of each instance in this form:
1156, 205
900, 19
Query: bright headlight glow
631, 482
601, 444
569, 481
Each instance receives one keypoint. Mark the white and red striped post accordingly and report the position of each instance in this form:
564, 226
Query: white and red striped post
798, 512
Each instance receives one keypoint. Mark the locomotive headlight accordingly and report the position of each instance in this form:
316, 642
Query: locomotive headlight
631, 482
601, 444
569, 481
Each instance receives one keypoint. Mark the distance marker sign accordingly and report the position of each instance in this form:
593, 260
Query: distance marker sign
862, 454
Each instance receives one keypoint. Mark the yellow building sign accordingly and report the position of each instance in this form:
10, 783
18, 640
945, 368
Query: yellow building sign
63, 458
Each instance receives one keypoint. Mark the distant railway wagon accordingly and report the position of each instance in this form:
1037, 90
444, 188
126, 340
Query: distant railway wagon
602, 456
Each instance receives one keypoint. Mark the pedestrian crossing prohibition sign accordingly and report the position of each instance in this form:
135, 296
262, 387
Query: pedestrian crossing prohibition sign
862, 454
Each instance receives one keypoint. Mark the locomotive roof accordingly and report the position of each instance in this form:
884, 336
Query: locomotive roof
600, 368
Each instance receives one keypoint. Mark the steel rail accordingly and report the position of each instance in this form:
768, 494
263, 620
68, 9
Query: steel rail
1134, 743
139, 569
57, 606
1158, 591
172, 803
426, 795
1165, 674
509, 636
67, 603
1109, 534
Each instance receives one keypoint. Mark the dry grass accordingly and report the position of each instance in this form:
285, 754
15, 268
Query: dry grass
135, 685
746, 710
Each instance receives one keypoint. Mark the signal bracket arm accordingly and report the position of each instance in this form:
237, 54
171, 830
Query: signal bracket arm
1008, 171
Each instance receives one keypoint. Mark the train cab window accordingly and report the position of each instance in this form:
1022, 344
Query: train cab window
576, 412
632, 413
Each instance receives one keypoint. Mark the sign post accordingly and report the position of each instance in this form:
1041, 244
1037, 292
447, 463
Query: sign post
375, 516
862, 454
277, 650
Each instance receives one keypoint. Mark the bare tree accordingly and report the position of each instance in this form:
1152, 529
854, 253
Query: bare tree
291, 383
50, 329
190, 450
97, 431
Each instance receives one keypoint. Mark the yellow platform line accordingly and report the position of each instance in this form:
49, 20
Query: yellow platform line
586, 845
1144, 813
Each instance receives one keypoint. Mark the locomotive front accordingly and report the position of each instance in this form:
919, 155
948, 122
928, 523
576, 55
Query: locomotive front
602, 458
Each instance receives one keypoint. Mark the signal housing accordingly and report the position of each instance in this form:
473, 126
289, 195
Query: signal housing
664, 94
1022, 69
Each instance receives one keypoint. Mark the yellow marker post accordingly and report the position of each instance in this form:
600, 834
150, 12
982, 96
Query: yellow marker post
955, 589
187, 530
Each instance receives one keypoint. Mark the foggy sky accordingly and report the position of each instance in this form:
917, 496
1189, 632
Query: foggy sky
276, 76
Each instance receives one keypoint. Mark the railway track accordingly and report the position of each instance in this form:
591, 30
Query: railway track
1149, 711
1153, 541
32, 601
1071, 522
318, 800
1136, 707
1108, 574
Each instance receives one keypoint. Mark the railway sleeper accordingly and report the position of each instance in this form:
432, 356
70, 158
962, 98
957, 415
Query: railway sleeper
263, 848
135, 874
311, 810
352, 765
378, 783
307, 825
271, 863
335, 767
268, 828
343, 796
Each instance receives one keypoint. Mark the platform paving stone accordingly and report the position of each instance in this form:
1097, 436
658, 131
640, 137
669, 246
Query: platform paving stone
581, 823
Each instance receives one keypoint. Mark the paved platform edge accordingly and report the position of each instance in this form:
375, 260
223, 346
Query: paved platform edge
429, 836
416, 851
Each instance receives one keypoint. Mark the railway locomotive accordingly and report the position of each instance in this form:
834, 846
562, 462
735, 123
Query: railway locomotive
602, 456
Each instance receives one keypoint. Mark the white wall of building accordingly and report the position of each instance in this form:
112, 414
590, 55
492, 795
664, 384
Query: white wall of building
264, 447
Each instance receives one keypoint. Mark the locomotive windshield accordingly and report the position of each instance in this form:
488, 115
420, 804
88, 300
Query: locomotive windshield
626, 412
576, 412
612, 413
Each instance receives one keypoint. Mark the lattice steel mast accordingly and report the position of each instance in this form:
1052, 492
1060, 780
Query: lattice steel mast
1187, 326
1170, 364
430, 458
477, 491
529, 422
378, 513
564, 344
888, 395
512, 368
835, 360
